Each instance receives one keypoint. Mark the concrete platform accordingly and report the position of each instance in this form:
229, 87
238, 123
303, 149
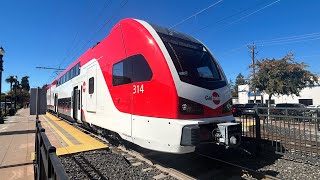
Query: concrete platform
16, 145
17, 137
66, 138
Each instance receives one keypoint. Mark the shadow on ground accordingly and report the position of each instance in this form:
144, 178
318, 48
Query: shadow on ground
201, 167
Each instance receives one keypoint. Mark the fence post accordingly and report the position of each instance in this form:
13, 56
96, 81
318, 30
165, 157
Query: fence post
258, 131
38, 144
51, 149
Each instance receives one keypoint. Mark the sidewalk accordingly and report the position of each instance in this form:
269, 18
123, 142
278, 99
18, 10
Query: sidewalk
16, 144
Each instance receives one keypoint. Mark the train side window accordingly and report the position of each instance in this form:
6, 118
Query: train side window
141, 69
121, 73
77, 69
91, 85
71, 73
132, 69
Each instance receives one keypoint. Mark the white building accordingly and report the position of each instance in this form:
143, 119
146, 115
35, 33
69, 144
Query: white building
308, 96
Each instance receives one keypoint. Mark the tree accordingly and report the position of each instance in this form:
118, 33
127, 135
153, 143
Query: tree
44, 86
10, 80
233, 92
25, 83
282, 76
239, 81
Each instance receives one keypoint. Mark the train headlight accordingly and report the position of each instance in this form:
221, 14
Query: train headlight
189, 107
227, 107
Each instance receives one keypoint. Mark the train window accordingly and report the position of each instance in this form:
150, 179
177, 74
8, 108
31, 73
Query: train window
67, 76
71, 73
141, 69
121, 73
194, 64
91, 85
132, 69
77, 69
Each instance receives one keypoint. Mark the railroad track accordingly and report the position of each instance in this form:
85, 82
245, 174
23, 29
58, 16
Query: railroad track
247, 172
218, 168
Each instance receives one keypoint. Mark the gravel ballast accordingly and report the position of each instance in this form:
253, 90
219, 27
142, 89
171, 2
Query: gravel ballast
104, 164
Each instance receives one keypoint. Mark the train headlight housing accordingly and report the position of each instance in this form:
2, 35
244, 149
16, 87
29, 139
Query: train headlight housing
227, 107
189, 107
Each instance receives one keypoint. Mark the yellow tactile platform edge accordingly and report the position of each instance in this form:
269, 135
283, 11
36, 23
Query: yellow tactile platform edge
248, 124
87, 142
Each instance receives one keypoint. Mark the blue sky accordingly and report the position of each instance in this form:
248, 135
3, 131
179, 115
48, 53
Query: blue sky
52, 33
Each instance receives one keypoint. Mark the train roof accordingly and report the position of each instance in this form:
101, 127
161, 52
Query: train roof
170, 32
158, 29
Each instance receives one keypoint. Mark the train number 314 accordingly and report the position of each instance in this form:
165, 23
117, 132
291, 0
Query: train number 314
138, 89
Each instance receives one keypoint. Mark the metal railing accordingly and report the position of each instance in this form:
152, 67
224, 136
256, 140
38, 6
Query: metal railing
47, 165
294, 131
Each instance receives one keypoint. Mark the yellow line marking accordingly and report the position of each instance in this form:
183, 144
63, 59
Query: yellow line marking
63, 137
87, 142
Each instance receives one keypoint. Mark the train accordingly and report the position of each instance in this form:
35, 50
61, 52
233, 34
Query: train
157, 88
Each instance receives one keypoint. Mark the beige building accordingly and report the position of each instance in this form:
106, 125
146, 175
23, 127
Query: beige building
308, 96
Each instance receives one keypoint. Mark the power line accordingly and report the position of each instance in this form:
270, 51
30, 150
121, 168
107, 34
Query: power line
282, 40
255, 12
69, 51
290, 37
237, 13
73, 46
195, 14
95, 34
288, 42
50, 68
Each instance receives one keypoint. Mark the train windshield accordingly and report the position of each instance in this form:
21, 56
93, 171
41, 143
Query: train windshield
194, 63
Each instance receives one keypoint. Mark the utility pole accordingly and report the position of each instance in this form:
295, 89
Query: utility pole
252, 49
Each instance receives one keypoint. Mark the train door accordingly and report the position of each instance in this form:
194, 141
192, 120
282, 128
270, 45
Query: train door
92, 89
76, 103
56, 103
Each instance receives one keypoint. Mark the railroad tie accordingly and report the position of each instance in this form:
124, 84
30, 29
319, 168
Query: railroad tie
159, 176
129, 158
147, 169
136, 164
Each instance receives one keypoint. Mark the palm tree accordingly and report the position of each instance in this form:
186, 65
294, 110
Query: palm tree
25, 83
10, 80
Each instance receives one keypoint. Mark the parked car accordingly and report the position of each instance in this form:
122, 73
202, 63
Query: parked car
249, 109
314, 110
237, 109
290, 109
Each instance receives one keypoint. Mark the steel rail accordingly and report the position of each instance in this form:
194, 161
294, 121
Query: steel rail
254, 173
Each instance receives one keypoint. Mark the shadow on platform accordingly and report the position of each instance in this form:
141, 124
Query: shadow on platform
17, 132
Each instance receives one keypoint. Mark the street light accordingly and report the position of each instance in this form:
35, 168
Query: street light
15, 93
20, 95
1, 69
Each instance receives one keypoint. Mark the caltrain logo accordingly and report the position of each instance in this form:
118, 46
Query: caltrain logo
214, 97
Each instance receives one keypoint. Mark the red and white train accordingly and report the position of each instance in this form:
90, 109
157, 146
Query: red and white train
155, 87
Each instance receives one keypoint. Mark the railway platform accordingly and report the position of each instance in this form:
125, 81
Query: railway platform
16, 146
17, 142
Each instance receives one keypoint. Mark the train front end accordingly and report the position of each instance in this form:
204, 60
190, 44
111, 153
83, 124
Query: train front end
204, 96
